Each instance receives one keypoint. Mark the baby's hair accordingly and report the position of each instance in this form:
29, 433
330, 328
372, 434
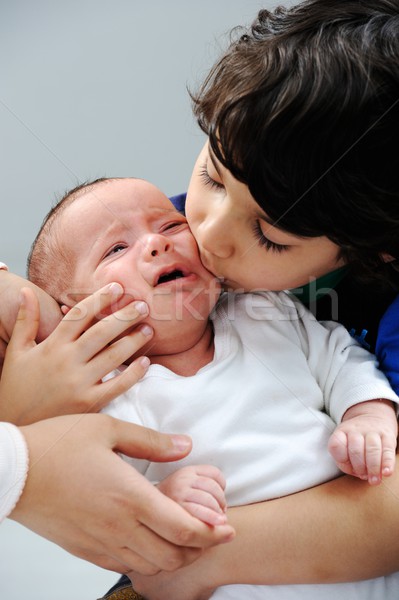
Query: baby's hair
304, 108
49, 265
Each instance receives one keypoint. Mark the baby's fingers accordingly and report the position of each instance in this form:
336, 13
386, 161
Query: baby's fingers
380, 456
81, 316
338, 448
205, 514
114, 326
373, 457
27, 322
388, 454
118, 353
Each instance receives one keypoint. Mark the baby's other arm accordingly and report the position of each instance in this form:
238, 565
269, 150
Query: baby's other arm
10, 299
200, 490
364, 443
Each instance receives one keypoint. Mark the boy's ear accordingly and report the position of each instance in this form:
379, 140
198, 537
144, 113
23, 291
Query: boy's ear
387, 257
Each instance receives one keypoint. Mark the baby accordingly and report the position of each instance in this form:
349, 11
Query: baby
255, 380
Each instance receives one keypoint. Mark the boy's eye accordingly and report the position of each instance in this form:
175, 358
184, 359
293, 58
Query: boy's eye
265, 242
207, 179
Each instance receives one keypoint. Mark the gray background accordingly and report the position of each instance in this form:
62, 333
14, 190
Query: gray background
92, 88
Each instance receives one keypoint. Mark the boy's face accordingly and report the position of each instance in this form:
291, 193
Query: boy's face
238, 244
129, 232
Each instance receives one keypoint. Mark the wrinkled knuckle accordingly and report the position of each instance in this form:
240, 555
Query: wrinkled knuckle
148, 570
174, 560
185, 536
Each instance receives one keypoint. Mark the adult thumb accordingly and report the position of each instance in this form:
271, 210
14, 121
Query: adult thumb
142, 442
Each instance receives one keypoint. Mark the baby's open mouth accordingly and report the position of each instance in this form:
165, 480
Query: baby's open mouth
165, 277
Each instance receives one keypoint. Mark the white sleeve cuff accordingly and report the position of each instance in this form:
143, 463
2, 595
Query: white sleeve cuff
3, 266
14, 463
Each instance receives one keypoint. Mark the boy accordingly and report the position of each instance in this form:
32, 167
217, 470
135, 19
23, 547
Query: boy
127, 231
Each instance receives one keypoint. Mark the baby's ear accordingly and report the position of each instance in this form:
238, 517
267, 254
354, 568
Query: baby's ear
65, 309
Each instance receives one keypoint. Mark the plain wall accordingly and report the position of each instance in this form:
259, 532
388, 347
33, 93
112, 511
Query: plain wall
93, 88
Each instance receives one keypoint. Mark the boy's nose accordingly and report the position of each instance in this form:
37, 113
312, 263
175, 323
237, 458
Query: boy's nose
215, 235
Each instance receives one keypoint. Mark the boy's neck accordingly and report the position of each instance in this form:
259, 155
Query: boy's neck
192, 359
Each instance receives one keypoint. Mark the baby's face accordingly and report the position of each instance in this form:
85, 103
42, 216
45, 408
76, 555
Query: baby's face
128, 231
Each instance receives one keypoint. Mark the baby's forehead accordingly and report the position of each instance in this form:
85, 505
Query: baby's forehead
130, 193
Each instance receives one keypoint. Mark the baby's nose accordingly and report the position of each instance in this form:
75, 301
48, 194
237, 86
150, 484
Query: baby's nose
158, 244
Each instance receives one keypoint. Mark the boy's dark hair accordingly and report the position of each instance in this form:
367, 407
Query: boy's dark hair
48, 265
304, 109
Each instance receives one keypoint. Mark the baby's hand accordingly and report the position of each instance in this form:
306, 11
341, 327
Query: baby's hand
63, 374
364, 443
200, 490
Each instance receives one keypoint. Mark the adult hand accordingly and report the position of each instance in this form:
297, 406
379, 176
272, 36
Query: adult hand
81, 495
63, 374
180, 585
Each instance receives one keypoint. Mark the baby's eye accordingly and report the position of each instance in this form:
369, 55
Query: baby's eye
115, 249
174, 225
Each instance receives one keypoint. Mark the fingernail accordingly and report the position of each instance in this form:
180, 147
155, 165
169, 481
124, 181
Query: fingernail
141, 307
145, 362
374, 479
146, 330
181, 442
220, 519
115, 288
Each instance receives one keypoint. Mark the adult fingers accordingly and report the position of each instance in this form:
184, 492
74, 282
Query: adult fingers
170, 535
141, 442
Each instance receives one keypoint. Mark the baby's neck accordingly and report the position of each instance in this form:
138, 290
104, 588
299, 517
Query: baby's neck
192, 359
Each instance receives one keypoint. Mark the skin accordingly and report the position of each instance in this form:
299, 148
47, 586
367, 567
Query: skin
10, 290
119, 520
75, 352
277, 559
144, 239
237, 242
149, 531
128, 231
323, 535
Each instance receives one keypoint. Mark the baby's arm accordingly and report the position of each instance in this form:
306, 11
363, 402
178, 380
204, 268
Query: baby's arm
10, 293
200, 490
364, 443
62, 374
